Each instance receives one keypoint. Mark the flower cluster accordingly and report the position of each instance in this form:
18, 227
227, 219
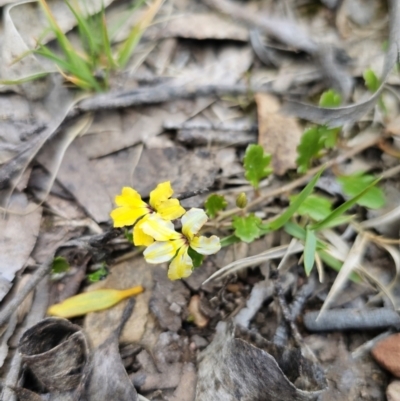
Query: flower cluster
154, 229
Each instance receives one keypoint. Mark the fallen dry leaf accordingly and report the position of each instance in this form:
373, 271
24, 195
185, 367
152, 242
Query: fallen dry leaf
200, 26
79, 177
278, 134
187, 170
194, 309
18, 237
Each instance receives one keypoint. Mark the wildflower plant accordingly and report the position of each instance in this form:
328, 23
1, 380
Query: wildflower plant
306, 218
154, 229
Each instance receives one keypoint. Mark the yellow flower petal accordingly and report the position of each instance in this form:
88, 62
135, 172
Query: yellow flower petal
159, 229
126, 216
130, 198
140, 238
160, 252
91, 301
181, 266
206, 246
162, 192
131, 207
170, 209
192, 221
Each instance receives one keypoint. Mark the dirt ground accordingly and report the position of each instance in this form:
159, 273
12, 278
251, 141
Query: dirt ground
316, 85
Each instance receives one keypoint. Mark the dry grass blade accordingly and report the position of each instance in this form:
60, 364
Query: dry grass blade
129, 45
363, 271
383, 219
336, 241
352, 261
273, 253
336, 117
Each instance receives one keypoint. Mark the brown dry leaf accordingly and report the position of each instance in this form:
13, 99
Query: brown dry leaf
18, 237
80, 179
115, 171
279, 135
194, 309
136, 125
187, 171
201, 26
100, 325
108, 379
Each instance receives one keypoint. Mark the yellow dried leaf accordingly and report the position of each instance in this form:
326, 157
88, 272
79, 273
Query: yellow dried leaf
91, 301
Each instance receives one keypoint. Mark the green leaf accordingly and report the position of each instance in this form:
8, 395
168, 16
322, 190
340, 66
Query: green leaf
340, 210
315, 206
214, 204
299, 232
196, 257
372, 82
60, 265
330, 99
99, 274
281, 220
312, 142
329, 136
310, 247
128, 234
256, 164
353, 184
308, 148
136, 33
247, 228
229, 240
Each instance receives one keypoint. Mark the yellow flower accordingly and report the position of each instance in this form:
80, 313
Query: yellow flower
131, 208
172, 245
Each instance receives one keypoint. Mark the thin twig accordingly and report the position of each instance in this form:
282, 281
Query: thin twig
161, 94
303, 179
190, 194
352, 319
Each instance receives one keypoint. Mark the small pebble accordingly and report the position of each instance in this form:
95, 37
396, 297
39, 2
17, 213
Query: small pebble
199, 341
393, 391
174, 307
387, 354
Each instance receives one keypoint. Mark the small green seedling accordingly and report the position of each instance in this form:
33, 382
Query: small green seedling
247, 228
99, 274
256, 164
60, 265
214, 204
320, 137
373, 83
353, 184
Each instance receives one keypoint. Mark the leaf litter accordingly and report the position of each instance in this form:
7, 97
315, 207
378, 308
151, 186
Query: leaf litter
184, 110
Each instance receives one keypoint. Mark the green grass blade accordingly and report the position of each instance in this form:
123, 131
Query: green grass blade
121, 21
310, 246
130, 43
22, 80
281, 220
299, 232
106, 43
75, 64
340, 210
84, 30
